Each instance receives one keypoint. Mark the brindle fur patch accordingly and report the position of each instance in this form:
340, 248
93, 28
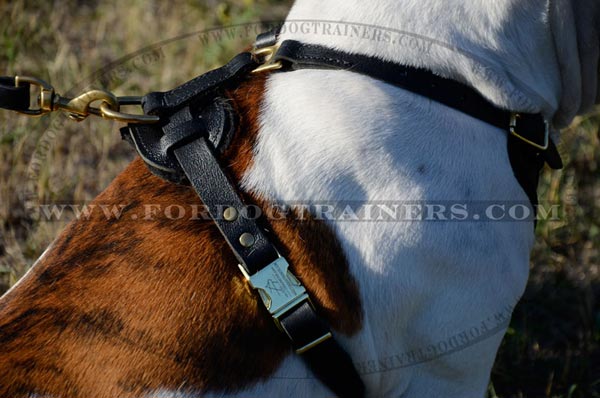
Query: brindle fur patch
122, 308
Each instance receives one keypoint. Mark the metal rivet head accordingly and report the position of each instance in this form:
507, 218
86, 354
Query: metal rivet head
230, 214
247, 239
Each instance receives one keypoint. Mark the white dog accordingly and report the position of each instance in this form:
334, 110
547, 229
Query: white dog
121, 309
437, 296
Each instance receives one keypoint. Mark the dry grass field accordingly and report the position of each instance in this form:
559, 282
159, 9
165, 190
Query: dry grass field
552, 348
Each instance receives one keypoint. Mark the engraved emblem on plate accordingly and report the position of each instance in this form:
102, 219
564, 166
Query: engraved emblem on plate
277, 286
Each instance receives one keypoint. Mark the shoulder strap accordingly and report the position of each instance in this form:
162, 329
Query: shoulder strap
309, 334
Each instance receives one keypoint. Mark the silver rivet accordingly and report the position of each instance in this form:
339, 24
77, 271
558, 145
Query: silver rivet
247, 239
230, 214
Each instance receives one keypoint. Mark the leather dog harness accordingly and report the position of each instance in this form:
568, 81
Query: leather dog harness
184, 132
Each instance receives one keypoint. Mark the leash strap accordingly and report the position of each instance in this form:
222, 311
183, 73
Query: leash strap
12, 97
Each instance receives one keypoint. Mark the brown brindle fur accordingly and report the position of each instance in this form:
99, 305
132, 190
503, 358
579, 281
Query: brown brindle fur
121, 307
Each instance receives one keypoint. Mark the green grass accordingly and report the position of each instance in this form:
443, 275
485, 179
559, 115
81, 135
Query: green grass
553, 345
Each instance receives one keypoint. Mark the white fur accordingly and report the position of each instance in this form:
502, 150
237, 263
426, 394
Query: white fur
336, 135
420, 282
522, 55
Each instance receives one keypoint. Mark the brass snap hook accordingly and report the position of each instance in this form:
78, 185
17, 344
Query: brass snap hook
82, 106
108, 112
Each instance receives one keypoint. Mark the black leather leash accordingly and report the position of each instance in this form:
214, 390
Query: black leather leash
197, 124
12, 97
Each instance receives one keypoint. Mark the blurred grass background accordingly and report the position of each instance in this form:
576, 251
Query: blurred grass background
552, 348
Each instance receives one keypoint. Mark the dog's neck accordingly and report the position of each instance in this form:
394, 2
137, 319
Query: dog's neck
535, 56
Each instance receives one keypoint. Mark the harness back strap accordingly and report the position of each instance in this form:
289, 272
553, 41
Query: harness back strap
295, 55
529, 145
200, 87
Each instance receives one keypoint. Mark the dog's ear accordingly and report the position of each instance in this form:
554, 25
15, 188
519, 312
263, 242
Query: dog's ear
575, 28
587, 19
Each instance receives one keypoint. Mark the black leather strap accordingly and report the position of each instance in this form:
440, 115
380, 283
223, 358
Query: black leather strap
267, 39
303, 326
155, 148
295, 55
527, 164
201, 93
217, 194
12, 97
526, 160
200, 87
328, 361
183, 148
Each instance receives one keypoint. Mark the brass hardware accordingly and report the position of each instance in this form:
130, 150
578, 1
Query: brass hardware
264, 56
230, 214
247, 239
45, 97
108, 113
81, 107
314, 343
513, 131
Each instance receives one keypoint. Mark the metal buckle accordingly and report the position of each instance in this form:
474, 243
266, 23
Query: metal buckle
264, 56
281, 292
513, 131
278, 288
45, 96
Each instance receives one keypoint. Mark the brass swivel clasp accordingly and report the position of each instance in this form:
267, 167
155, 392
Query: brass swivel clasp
94, 102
